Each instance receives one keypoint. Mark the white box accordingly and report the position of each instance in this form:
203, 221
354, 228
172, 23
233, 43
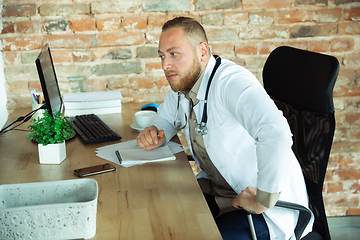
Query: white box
49, 210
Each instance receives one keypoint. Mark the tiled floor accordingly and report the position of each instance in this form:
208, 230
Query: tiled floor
344, 228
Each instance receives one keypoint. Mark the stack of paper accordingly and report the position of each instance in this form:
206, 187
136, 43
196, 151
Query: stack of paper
104, 102
131, 154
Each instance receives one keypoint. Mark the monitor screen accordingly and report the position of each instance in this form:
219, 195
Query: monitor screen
48, 80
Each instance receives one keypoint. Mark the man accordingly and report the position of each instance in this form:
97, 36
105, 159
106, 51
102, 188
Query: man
235, 132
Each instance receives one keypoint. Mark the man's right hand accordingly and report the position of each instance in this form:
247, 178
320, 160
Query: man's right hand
150, 138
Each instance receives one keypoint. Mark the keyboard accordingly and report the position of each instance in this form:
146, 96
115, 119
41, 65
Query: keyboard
92, 129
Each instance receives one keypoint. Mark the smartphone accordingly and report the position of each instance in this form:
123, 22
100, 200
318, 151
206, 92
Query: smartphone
88, 171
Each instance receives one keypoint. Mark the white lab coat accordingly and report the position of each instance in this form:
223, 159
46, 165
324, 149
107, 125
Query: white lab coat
248, 140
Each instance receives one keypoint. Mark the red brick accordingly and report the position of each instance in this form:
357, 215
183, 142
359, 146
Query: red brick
328, 15
329, 175
153, 66
83, 56
267, 4
238, 60
349, 28
28, 27
294, 17
94, 85
156, 21
152, 37
347, 91
345, 162
134, 22
108, 24
162, 82
8, 27
264, 32
351, 174
21, 43
18, 87
301, 44
355, 134
318, 45
352, 59
352, 117
261, 18
11, 57
35, 85
132, 97
342, 44
69, 41
246, 48
120, 39
18, 10
141, 83
236, 18
79, 25
353, 212
222, 48
355, 188
60, 56
268, 47
335, 187
352, 14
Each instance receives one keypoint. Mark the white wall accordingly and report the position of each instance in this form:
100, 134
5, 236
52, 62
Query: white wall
3, 109
3, 98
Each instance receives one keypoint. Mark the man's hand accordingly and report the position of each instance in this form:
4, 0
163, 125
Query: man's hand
247, 200
150, 138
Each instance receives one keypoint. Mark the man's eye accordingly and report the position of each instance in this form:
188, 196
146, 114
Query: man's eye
161, 57
173, 54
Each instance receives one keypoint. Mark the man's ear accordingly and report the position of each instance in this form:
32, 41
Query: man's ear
204, 51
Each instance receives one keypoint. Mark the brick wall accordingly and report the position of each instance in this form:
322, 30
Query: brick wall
107, 45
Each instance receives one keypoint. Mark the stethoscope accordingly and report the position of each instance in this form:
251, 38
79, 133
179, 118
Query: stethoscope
201, 128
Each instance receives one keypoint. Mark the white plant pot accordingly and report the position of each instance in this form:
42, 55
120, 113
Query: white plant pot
52, 153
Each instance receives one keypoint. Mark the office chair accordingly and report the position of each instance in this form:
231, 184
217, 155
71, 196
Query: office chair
301, 84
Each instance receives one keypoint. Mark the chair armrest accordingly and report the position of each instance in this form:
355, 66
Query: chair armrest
304, 216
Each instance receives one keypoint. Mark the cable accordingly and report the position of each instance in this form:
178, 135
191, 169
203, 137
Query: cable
21, 119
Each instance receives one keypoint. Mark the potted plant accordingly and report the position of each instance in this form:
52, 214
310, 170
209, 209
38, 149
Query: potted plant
50, 132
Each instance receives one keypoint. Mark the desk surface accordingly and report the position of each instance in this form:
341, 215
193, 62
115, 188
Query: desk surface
150, 201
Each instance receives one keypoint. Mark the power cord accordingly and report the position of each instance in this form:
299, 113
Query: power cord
22, 120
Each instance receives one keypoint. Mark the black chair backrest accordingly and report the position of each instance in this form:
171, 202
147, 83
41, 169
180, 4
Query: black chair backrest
301, 84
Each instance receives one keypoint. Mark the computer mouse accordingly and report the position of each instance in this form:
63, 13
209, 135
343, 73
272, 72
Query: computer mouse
151, 106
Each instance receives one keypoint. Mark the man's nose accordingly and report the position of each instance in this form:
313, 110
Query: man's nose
166, 64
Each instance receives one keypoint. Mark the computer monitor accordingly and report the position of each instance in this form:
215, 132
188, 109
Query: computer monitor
48, 80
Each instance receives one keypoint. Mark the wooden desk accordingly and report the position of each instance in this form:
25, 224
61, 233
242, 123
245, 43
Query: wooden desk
151, 201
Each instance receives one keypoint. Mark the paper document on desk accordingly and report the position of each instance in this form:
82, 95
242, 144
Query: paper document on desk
132, 154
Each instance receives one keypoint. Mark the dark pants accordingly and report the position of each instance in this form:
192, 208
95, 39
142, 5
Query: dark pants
234, 225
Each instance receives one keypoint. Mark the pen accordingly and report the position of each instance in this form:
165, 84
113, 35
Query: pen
118, 156
35, 100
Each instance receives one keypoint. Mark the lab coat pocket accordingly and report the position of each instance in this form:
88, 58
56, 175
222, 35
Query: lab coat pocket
232, 150
231, 138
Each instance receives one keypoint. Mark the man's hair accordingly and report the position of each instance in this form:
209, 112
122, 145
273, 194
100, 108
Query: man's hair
192, 29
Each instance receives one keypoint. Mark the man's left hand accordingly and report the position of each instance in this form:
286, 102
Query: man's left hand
247, 200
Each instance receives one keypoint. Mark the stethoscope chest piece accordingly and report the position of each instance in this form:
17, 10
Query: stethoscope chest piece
201, 129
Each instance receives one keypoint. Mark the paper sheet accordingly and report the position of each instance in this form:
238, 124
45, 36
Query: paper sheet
130, 150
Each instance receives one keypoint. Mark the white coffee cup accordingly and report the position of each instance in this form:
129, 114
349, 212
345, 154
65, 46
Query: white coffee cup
144, 118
